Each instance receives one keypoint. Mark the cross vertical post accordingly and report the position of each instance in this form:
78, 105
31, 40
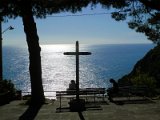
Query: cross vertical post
77, 70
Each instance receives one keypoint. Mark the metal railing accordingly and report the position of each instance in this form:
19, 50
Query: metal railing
52, 94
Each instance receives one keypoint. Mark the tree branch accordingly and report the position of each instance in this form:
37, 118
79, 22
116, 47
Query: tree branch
154, 4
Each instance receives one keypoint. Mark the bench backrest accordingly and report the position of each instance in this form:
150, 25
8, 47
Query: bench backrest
86, 91
136, 90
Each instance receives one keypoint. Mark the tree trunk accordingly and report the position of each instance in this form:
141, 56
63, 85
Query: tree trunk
1, 56
37, 92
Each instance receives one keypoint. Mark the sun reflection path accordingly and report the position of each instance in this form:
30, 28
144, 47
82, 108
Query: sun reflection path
54, 63
57, 69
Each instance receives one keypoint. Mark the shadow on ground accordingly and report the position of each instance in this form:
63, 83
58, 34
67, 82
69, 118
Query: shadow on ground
30, 113
89, 107
81, 116
122, 102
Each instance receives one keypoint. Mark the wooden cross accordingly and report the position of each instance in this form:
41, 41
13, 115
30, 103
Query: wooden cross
77, 53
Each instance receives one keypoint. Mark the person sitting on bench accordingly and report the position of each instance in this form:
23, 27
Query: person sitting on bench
72, 85
113, 89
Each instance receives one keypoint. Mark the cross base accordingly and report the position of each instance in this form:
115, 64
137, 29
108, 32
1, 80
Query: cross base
77, 105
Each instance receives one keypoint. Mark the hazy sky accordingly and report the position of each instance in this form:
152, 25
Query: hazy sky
87, 29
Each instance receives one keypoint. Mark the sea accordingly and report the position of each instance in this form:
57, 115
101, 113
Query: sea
106, 61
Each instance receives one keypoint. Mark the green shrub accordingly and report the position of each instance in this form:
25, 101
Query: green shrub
144, 80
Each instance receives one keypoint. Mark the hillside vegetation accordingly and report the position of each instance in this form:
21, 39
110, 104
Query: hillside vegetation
146, 71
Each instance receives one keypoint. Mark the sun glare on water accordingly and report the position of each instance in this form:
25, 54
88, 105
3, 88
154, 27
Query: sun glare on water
57, 47
57, 69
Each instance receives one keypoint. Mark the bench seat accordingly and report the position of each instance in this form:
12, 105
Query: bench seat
130, 93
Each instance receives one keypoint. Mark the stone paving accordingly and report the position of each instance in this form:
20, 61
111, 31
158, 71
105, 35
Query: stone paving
99, 111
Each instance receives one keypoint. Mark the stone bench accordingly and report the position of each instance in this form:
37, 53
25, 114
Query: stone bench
130, 93
84, 93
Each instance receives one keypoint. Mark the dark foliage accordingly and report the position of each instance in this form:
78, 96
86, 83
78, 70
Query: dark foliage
7, 86
142, 15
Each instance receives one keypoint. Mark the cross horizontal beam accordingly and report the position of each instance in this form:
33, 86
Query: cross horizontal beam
75, 53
